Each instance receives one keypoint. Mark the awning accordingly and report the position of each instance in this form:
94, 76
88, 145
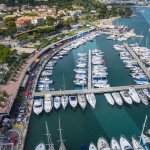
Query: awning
25, 81
37, 60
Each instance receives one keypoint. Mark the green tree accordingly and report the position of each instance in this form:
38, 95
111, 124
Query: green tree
50, 20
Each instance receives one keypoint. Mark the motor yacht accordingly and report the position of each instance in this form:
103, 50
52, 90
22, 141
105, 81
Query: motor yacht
64, 101
38, 105
57, 102
117, 98
109, 98
102, 144
142, 97
124, 143
92, 146
134, 95
91, 99
126, 97
114, 144
48, 102
73, 100
82, 101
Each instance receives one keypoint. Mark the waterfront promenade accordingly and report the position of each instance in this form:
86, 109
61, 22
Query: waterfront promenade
96, 90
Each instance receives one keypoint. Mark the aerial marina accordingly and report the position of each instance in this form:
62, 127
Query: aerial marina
88, 88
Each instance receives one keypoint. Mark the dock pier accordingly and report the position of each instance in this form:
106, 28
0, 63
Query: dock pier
89, 71
97, 90
140, 63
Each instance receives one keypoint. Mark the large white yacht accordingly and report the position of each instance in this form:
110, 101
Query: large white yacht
57, 102
102, 144
64, 101
109, 98
73, 100
48, 102
117, 98
40, 146
114, 144
126, 97
136, 145
124, 143
92, 146
142, 97
38, 105
82, 101
134, 95
91, 99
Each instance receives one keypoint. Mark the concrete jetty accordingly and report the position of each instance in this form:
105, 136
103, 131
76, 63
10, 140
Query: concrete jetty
140, 63
89, 70
97, 90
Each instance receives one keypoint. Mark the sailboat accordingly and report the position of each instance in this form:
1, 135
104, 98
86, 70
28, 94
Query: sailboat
92, 146
40, 146
136, 145
144, 138
50, 144
62, 145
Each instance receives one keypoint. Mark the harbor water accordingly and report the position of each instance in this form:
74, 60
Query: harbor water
108, 121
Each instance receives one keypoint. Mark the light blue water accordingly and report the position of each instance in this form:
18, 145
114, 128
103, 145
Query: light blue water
83, 127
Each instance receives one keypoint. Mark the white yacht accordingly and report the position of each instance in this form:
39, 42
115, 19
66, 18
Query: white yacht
73, 100
102, 144
134, 95
48, 102
38, 106
117, 98
114, 144
142, 97
109, 98
91, 99
125, 145
64, 101
92, 146
126, 97
82, 101
40, 146
136, 145
146, 92
57, 102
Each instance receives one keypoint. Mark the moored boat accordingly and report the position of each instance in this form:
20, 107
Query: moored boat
64, 101
57, 102
114, 144
38, 105
102, 144
73, 100
48, 103
124, 143
82, 101
136, 145
92, 146
142, 97
117, 98
126, 97
134, 95
91, 99
40, 146
109, 98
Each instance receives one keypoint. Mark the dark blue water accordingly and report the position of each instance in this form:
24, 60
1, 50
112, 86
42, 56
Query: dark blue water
83, 127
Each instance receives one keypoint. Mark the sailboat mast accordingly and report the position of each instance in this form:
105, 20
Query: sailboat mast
143, 127
60, 131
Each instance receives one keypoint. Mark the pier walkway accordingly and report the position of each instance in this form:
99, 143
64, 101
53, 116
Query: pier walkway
89, 70
98, 90
137, 59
